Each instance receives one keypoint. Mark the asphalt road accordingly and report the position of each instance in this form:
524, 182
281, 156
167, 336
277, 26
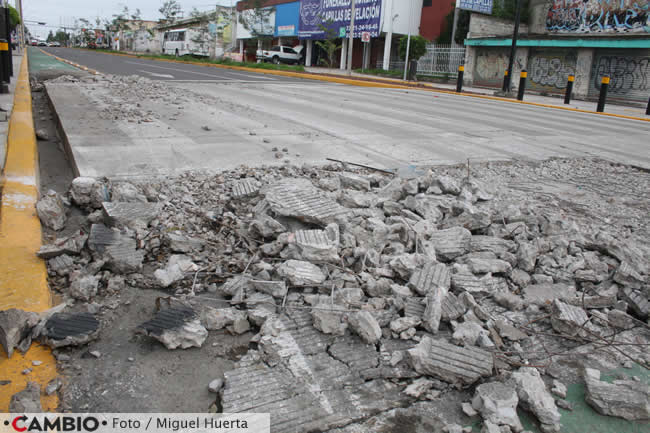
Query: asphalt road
156, 70
228, 118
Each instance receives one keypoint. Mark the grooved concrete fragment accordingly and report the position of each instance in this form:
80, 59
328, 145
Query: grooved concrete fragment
304, 202
491, 244
568, 319
453, 364
414, 308
244, 188
637, 301
623, 398
301, 273
101, 236
452, 308
451, 243
129, 214
431, 275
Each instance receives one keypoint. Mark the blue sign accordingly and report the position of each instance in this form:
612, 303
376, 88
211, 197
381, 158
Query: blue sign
286, 19
482, 6
317, 16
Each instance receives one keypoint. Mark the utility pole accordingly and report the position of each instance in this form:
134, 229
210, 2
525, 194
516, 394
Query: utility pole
455, 25
351, 42
508, 81
408, 41
22, 24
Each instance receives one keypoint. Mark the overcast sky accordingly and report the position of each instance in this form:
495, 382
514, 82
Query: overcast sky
58, 12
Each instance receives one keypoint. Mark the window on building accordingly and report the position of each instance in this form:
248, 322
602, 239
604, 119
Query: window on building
426, 3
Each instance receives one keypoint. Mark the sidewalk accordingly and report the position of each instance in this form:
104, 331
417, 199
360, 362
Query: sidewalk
528, 97
6, 105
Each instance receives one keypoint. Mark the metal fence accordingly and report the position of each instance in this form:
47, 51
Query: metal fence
440, 60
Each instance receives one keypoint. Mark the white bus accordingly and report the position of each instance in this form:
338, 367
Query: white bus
181, 42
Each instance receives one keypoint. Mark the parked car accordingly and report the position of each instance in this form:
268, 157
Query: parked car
34, 43
42, 44
278, 54
54, 44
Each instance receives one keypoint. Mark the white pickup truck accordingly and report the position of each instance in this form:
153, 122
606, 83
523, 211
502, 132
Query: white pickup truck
278, 54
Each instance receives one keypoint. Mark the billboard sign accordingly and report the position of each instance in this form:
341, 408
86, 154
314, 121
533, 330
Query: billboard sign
335, 15
482, 6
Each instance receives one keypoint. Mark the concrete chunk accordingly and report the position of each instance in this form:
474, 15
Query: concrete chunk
15, 325
414, 308
69, 329
431, 276
568, 319
491, 244
302, 201
498, 404
365, 326
51, 211
637, 301
452, 308
28, 400
301, 273
453, 364
451, 243
544, 294
626, 399
131, 215
244, 188
177, 327
532, 392
433, 311
123, 257
354, 181
312, 245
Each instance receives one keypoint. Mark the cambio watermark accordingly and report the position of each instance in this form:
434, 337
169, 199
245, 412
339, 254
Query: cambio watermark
136, 422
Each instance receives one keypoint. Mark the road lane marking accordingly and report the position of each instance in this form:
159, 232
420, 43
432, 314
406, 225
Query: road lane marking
173, 69
156, 75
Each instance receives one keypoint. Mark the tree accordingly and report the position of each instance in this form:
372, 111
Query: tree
257, 19
461, 29
14, 18
170, 10
50, 37
329, 45
417, 48
506, 9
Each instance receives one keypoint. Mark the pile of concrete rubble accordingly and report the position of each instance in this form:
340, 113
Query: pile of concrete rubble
367, 293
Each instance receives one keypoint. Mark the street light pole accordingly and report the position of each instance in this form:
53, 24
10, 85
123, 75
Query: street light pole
22, 24
508, 81
351, 40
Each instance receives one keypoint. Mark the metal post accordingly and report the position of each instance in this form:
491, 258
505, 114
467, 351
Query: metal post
511, 61
522, 85
8, 37
459, 81
505, 80
351, 42
408, 41
569, 89
647, 110
604, 84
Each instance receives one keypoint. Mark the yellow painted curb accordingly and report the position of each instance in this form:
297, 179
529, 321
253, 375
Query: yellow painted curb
377, 83
23, 276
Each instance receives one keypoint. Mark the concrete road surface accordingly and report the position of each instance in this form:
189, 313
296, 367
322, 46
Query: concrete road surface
240, 120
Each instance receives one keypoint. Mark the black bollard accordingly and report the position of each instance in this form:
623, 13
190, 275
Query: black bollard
459, 81
647, 110
4, 71
569, 89
522, 85
604, 84
505, 81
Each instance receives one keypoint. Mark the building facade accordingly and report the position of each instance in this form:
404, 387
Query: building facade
585, 38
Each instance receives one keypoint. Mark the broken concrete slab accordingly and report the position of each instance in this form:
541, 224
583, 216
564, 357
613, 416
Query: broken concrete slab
497, 403
433, 309
300, 200
452, 308
61, 265
404, 323
354, 181
301, 273
71, 245
544, 294
451, 243
15, 326
484, 266
177, 266
626, 399
220, 318
464, 280
101, 236
453, 364
468, 333
414, 307
365, 326
69, 329
568, 319
51, 211
311, 245
179, 243
244, 188
637, 301
527, 254
132, 215
431, 276
87, 191
177, 327
492, 244
28, 400
532, 392
329, 319
122, 257
277, 289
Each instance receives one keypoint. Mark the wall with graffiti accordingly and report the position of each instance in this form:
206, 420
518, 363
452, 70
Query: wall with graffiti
629, 74
548, 70
491, 63
599, 16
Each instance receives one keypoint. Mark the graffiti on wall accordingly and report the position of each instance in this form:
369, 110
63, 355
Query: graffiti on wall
549, 71
629, 76
490, 66
583, 16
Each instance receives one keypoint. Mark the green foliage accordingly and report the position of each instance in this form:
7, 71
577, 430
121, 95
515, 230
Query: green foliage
461, 29
506, 9
170, 9
329, 45
14, 18
417, 49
